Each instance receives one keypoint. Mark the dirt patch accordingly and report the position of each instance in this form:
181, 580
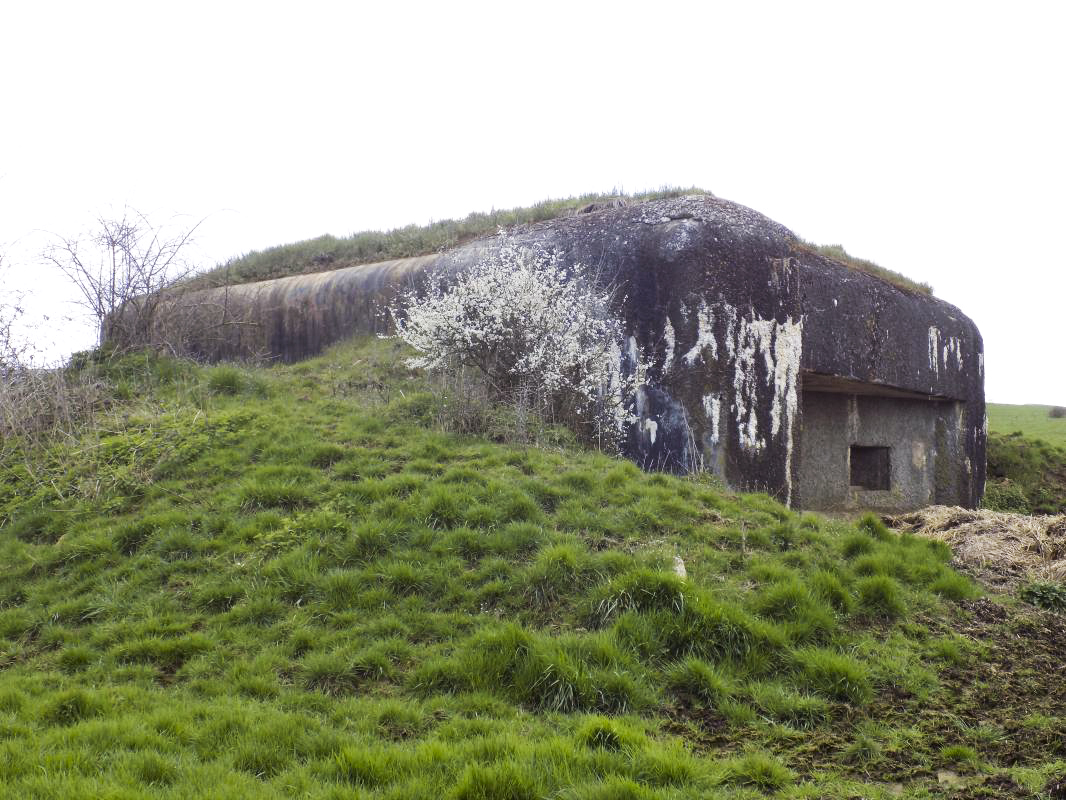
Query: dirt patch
1001, 550
1015, 684
1007, 701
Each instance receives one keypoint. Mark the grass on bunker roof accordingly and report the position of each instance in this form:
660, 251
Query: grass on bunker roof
329, 252
836, 252
286, 582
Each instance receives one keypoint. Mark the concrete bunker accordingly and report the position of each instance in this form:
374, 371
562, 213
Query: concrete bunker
773, 366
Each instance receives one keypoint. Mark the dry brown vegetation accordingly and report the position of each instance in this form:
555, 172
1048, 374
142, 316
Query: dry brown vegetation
1002, 550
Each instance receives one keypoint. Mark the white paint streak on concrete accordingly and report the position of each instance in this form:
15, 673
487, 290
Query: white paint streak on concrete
652, 428
853, 417
788, 347
934, 349
671, 343
779, 346
704, 336
712, 406
953, 347
749, 342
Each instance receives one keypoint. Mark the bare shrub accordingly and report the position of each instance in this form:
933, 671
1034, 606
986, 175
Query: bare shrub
1057, 412
121, 269
37, 402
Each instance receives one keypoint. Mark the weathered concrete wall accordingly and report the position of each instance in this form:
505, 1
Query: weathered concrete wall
288, 318
863, 329
833, 422
732, 313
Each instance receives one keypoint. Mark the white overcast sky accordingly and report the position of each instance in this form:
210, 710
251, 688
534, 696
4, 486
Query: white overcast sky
926, 136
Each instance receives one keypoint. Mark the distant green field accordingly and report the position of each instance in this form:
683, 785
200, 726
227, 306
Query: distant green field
1030, 420
1026, 460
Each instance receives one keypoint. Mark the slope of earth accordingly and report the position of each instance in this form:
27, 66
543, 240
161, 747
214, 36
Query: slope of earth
1026, 475
287, 582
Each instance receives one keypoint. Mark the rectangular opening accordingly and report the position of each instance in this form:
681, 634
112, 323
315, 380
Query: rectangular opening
870, 467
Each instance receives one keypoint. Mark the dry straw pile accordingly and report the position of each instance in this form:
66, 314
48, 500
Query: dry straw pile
1000, 549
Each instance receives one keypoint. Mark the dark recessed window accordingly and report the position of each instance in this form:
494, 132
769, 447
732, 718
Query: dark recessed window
870, 467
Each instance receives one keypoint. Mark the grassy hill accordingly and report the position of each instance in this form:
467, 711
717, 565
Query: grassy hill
287, 583
1026, 460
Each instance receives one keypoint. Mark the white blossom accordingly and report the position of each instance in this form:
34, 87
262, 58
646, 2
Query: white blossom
534, 327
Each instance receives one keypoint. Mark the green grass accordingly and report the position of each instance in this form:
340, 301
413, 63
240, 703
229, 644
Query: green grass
330, 252
1026, 460
251, 583
836, 252
1026, 475
1033, 421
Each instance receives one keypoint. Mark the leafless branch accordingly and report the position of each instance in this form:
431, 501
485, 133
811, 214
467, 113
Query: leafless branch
124, 270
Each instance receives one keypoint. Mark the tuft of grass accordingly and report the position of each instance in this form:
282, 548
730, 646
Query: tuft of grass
956, 587
696, 681
834, 675
857, 544
780, 702
603, 733
828, 587
75, 659
70, 706
880, 596
959, 755
875, 527
330, 673
225, 380
495, 782
641, 590
153, 769
364, 767
274, 494
557, 574
758, 770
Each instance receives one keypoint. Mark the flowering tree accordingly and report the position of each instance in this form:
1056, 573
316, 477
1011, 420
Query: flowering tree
541, 333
